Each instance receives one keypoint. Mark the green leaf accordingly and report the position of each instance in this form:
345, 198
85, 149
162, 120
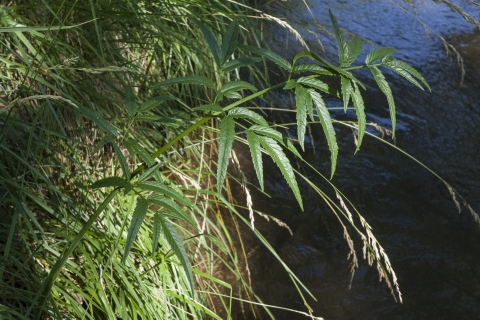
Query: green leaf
209, 107
157, 228
301, 95
140, 150
244, 113
172, 207
227, 134
406, 71
346, 91
342, 43
233, 95
237, 86
354, 48
275, 58
383, 85
327, 125
164, 189
131, 100
186, 80
150, 172
109, 182
312, 82
176, 244
240, 62
212, 43
272, 133
96, 118
122, 160
137, 220
275, 151
150, 104
229, 43
360, 112
290, 84
379, 54
315, 68
107, 139
256, 152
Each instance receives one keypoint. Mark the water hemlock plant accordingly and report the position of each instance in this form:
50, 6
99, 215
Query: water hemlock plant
112, 196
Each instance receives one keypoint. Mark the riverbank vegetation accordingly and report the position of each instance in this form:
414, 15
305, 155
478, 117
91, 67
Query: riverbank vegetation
117, 131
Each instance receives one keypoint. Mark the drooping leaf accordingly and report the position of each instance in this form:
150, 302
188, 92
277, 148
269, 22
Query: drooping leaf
109, 182
385, 88
140, 150
157, 228
346, 91
227, 134
137, 220
360, 112
238, 85
290, 84
240, 62
97, 118
275, 58
131, 100
186, 80
256, 152
354, 47
315, 68
107, 139
212, 43
405, 70
272, 133
150, 104
244, 113
301, 95
173, 208
341, 42
312, 82
159, 187
327, 125
229, 42
176, 244
150, 172
122, 160
379, 54
209, 107
275, 151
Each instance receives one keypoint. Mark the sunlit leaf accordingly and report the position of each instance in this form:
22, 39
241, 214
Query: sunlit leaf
379, 54
383, 85
150, 104
256, 152
406, 71
272, 133
244, 113
186, 80
229, 42
301, 96
164, 189
137, 220
313, 83
227, 133
275, 58
360, 112
311, 68
290, 84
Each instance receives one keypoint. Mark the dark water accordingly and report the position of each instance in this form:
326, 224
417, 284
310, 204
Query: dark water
434, 250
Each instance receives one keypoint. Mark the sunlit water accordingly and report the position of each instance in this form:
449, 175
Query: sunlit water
434, 250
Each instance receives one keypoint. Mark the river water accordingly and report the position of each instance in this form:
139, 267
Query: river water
434, 250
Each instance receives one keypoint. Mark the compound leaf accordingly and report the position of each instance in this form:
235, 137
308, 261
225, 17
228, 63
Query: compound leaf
227, 134
209, 107
244, 113
272, 133
301, 96
315, 68
379, 54
137, 220
383, 85
173, 208
122, 160
406, 71
256, 152
140, 150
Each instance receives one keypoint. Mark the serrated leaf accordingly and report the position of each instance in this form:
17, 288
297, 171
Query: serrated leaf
272, 133
227, 134
256, 152
354, 47
385, 88
209, 107
379, 54
238, 85
176, 244
301, 96
229, 42
290, 84
134, 147
131, 100
107, 139
186, 80
150, 104
211, 42
157, 228
346, 91
398, 66
109, 182
244, 113
96, 118
233, 95
311, 68
313, 83
327, 125
341, 42
150, 172
275, 151
159, 187
360, 112
137, 220
172, 207
240, 62
275, 58
122, 160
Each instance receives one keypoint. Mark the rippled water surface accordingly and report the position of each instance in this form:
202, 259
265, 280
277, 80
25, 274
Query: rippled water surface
434, 250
